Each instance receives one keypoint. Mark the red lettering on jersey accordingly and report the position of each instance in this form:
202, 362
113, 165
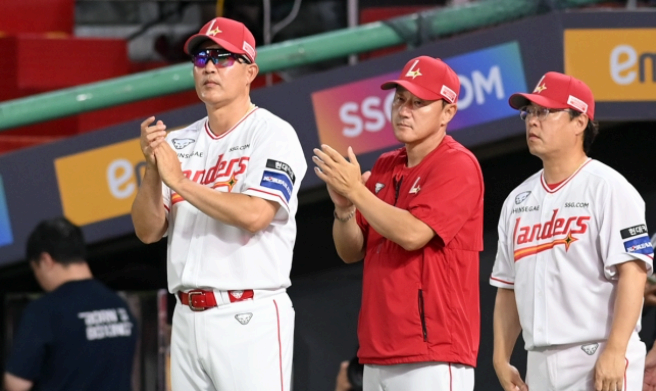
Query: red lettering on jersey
569, 221
198, 176
548, 230
557, 225
243, 163
228, 170
211, 174
583, 226
528, 233
240, 165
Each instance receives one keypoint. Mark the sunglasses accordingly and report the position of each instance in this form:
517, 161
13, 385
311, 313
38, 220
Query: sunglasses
219, 57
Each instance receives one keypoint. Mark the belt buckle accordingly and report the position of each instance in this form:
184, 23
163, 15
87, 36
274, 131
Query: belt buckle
190, 297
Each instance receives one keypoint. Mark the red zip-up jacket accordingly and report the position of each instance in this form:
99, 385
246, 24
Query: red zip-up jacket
423, 305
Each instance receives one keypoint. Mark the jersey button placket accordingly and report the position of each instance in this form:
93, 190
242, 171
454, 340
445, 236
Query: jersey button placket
196, 247
191, 268
542, 260
200, 228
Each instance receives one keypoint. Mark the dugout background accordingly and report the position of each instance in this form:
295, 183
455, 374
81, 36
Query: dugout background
326, 293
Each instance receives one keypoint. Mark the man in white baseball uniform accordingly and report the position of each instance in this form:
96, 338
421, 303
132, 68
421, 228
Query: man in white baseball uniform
572, 258
224, 192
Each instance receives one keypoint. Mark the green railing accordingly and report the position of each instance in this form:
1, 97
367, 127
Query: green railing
289, 54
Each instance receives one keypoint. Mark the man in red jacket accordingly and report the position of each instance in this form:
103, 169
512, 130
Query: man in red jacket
417, 220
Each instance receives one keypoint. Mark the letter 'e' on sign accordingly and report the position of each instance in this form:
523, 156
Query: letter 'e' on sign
619, 65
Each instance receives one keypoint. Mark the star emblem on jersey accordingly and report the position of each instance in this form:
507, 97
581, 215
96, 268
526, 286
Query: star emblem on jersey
521, 197
244, 318
230, 183
590, 349
179, 143
540, 88
569, 239
379, 186
532, 250
412, 73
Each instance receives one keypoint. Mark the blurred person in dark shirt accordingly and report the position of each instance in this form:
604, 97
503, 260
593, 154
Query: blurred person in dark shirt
80, 335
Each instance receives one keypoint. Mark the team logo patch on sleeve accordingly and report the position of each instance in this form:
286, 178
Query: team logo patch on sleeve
278, 181
281, 166
641, 245
634, 231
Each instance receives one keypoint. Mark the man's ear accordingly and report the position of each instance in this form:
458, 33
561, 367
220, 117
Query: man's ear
45, 260
448, 112
581, 122
252, 70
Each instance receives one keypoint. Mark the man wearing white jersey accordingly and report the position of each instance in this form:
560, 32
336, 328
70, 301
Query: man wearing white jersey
227, 204
572, 258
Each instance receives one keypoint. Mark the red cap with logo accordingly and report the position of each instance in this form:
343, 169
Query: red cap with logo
558, 91
429, 79
231, 35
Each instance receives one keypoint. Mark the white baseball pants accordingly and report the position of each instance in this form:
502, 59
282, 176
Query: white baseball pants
242, 346
571, 367
434, 376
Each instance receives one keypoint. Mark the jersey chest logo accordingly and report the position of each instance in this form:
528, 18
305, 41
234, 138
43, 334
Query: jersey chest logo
560, 230
521, 197
180, 143
415, 187
221, 169
223, 174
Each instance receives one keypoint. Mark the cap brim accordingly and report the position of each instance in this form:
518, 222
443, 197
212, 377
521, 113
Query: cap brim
195, 40
517, 101
418, 91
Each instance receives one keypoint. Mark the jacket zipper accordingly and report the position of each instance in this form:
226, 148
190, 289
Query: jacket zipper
421, 315
397, 188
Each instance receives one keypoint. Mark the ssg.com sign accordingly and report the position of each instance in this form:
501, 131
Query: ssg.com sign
358, 114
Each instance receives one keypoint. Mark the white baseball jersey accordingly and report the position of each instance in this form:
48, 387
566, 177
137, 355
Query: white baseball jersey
260, 156
558, 249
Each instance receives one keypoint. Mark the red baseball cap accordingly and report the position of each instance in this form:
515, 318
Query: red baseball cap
231, 35
558, 91
428, 78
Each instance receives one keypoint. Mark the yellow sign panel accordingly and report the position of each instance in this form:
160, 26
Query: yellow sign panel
617, 64
101, 183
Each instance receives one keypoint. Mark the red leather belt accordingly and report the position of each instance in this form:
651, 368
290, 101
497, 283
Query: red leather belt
201, 300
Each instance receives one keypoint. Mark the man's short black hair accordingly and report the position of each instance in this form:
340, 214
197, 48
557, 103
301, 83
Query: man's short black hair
590, 133
58, 237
